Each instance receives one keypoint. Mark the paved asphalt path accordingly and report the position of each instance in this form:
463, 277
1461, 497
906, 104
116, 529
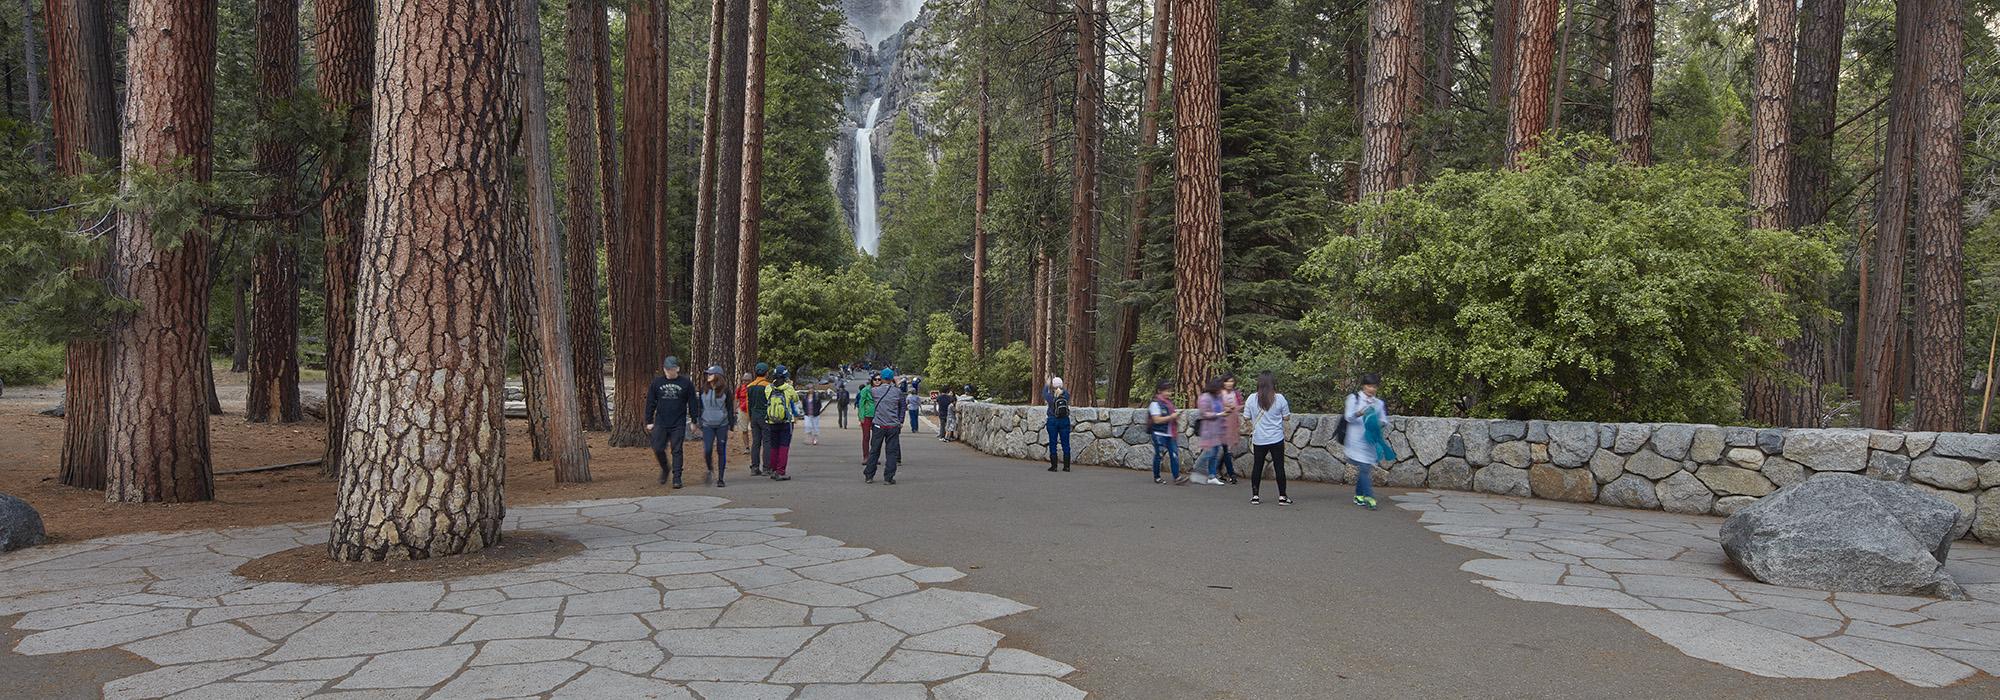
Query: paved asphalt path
1165, 593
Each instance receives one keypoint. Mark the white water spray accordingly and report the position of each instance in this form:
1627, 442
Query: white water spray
867, 234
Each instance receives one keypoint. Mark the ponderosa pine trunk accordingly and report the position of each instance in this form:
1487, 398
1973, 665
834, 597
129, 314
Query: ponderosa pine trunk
1197, 195
611, 193
1041, 334
1632, 81
1080, 356
583, 235
701, 306
344, 46
429, 352
1814, 114
1768, 399
1500, 82
1877, 376
83, 116
1142, 203
1394, 45
750, 209
724, 316
31, 69
158, 418
666, 266
1938, 353
535, 266
273, 394
980, 189
631, 254
1534, 63
239, 318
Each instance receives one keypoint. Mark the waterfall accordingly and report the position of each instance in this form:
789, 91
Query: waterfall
867, 234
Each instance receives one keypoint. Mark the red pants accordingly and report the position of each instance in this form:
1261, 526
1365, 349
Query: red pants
867, 426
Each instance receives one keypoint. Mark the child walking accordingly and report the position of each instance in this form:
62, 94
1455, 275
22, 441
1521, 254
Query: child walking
1364, 447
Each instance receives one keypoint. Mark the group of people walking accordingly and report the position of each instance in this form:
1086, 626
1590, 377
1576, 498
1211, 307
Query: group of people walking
770, 406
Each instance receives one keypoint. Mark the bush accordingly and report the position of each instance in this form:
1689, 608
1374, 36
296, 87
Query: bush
27, 361
807, 317
1576, 288
1003, 374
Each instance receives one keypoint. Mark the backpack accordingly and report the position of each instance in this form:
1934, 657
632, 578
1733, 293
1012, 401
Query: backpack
757, 396
1059, 407
779, 410
1340, 430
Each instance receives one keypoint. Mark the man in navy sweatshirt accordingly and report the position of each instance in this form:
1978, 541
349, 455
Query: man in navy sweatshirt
669, 409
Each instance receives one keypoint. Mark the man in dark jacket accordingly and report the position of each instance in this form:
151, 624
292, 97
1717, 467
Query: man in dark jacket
886, 440
669, 409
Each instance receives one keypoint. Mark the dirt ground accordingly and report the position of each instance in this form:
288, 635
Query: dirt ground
30, 445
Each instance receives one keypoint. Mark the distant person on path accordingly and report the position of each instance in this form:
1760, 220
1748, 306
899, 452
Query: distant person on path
1364, 446
915, 405
1232, 425
669, 409
780, 410
743, 400
946, 419
1208, 429
756, 397
864, 406
810, 404
840, 399
717, 417
887, 439
1160, 418
1057, 421
1267, 412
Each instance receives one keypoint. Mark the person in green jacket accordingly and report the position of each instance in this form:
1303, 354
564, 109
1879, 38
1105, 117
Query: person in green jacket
865, 404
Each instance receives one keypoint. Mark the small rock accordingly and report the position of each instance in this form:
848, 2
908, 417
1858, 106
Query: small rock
1728, 505
1629, 491
1783, 472
1739, 437
1571, 444
1885, 441
56, 411
1734, 481
1502, 480
1683, 493
1771, 441
1828, 450
1672, 440
1916, 444
1538, 431
1513, 453
1607, 435
1846, 532
1406, 474
1606, 466
1538, 453
1450, 473
1574, 485
20, 525
1944, 472
1746, 457
1888, 466
1989, 475
1478, 441
1631, 437
1707, 446
1986, 519
1508, 430
1651, 466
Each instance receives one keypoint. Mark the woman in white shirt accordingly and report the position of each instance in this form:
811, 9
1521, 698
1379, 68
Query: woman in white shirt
1266, 411
1363, 407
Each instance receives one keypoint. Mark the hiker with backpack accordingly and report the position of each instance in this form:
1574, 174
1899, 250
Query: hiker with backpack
1161, 417
781, 408
841, 397
1364, 422
756, 396
886, 443
1267, 411
1058, 423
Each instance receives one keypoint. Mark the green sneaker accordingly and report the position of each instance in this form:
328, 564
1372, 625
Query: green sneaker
1359, 501
1369, 501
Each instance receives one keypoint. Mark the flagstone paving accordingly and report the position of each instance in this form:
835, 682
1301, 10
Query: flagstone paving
672, 597
1667, 574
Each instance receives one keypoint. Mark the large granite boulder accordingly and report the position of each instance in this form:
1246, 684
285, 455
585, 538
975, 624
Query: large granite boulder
20, 525
1847, 532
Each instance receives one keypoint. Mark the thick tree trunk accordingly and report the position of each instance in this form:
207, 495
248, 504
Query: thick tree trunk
1197, 195
158, 422
1395, 35
1632, 81
631, 255
1142, 184
344, 46
83, 115
611, 195
1939, 348
1038, 328
274, 360
665, 265
582, 215
1534, 56
429, 329
1506, 16
751, 207
702, 306
1814, 107
980, 188
1443, 28
535, 266
724, 316
1877, 375
1043, 342
1080, 356
1769, 401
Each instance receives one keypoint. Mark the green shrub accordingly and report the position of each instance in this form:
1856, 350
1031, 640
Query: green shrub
27, 361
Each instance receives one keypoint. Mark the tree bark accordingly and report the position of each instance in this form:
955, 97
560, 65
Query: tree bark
724, 316
1041, 334
83, 116
158, 422
273, 393
1632, 81
31, 69
429, 357
1142, 203
980, 187
1768, 400
1080, 357
1395, 35
239, 320
665, 265
1197, 195
1500, 81
611, 196
1534, 47
344, 46
1443, 25
632, 255
535, 267
751, 207
1814, 112
1880, 338
1939, 348
582, 215
702, 306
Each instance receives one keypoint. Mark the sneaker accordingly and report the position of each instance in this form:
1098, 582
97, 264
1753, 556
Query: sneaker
1284, 500
1256, 501
890, 482
1370, 502
1158, 480
1232, 481
1359, 501
719, 484
707, 476
781, 477
867, 479
677, 483
1181, 480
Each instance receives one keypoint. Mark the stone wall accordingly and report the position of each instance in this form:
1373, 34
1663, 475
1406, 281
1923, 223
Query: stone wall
1701, 469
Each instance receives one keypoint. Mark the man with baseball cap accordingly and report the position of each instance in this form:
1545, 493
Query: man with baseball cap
669, 409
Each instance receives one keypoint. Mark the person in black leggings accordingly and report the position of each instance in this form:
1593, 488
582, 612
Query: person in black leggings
1266, 411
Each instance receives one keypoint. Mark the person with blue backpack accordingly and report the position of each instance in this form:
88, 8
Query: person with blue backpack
780, 410
1364, 422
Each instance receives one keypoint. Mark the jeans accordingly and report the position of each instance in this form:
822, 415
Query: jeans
1364, 479
1275, 453
887, 446
1229, 460
916, 418
715, 449
1059, 429
757, 434
1211, 457
1165, 444
843, 416
675, 437
867, 445
778, 447
944, 421
812, 425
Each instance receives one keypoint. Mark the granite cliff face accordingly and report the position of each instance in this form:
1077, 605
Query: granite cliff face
899, 69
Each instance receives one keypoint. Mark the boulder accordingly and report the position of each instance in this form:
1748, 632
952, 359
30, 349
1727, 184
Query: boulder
1503, 480
1429, 438
1966, 503
1450, 473
1981, 446
1651, 466
1629, 491
313, 405
1683, 493
1989, 475
1888, 466
1507, 430
20, 525
1783, 472
1406, 474
1847, 532
1828, 450
1986, 522
1572, 444
1734, 481
1478, 440
1512, 453
1707, 446
1673, 440
1631, 437
1944, 472
1606, 466
1558, 484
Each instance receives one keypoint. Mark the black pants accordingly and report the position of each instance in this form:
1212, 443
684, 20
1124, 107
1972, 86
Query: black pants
843, 416
757, 427
887, 444
676, 436
1276, 453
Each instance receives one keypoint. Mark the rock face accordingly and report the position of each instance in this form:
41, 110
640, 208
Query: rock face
20, 525
1847, 532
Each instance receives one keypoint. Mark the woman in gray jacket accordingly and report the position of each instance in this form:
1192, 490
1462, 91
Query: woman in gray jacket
717, 417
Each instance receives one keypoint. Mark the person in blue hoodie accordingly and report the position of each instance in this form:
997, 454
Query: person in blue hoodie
670, 409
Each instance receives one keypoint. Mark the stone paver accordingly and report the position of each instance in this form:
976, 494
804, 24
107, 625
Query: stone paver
673, 597
1666, 574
